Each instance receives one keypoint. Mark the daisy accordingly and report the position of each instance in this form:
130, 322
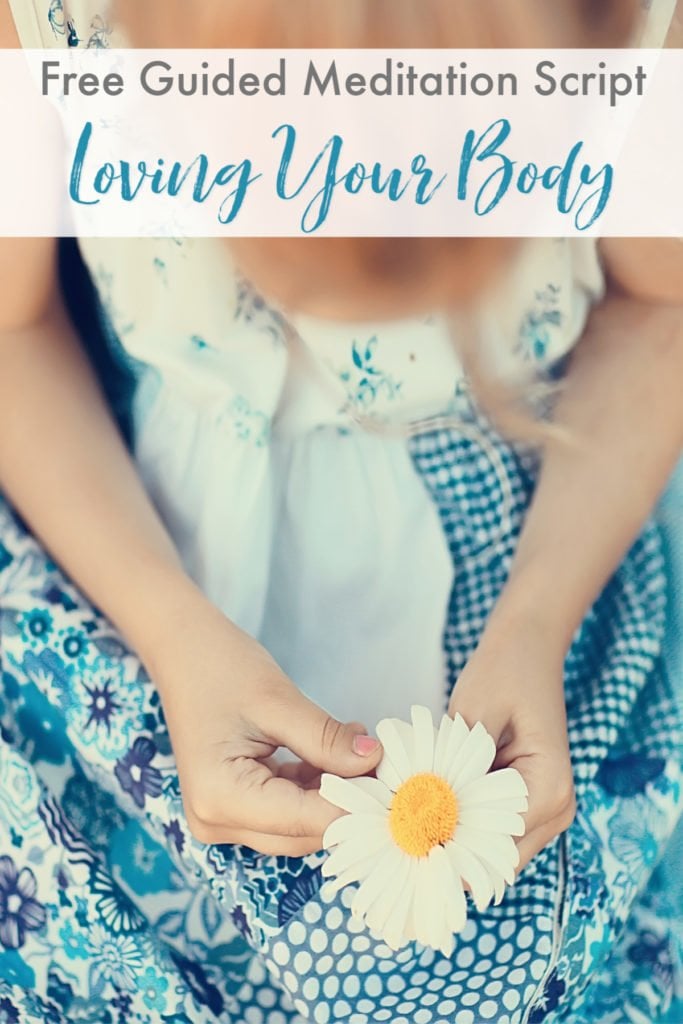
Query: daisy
431, 823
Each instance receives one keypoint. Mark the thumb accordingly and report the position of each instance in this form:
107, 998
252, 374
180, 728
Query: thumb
320, 740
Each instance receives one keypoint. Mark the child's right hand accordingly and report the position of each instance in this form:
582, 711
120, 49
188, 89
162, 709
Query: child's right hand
228, 708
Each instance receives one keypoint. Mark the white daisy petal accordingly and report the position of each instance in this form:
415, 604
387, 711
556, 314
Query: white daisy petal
450, 887
496, 880
428, 905
423, 735
394, 893
456, 752
500, 821
475, 758
391, 736
474, 874
442, 875
355, 851
361, 869
405, 732
351, 825
497, 852
403, 898
441, 746
387, 775
376, 789
344, 793
395, 930
381, 878
518, 805
459, 733
504, 784
409, 930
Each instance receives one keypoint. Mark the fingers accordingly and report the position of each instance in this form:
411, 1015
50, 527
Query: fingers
249, 797
260, 842
535, 841
280, 807
278, 801
309, 732
273, 846
306, 776
552, 803
551, 791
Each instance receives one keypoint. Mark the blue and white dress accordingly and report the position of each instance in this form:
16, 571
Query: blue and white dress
367, 564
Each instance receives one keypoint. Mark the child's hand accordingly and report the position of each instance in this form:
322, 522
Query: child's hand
229, 707
513, 684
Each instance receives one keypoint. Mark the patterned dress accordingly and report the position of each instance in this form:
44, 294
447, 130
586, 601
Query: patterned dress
109, 910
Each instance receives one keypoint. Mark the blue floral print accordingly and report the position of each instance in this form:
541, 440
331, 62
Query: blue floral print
135, 772
252, 309
8, 1013
115, 909
249, 424
365, 381
115, 959
629, 774
101, 705
199, 344
153, 987
20, 911
99, 33
204, 991
634, 836
535, 335
142, 864
75, 943
38, 624
174, 833
552, 995
131, 899
60, 24
93, 811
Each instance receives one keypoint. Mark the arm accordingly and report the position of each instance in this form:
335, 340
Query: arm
622, 409
62, 461
227, 704
65, 468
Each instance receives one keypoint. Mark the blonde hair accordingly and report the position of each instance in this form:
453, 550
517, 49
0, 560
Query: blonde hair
386, 274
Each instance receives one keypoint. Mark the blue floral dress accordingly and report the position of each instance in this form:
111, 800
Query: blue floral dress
109, 910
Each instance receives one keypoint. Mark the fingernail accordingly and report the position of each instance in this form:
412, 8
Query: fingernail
364, 745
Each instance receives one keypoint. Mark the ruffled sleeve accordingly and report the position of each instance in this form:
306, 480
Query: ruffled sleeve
657, 23
55, 24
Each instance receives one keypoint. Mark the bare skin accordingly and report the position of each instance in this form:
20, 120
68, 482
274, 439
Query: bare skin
228, 705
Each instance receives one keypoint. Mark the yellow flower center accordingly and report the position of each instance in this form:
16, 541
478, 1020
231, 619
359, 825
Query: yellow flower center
423, 814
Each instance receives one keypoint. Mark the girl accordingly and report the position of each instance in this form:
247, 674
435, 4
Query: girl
329, 508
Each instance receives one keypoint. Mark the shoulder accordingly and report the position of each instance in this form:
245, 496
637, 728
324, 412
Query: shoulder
650, 269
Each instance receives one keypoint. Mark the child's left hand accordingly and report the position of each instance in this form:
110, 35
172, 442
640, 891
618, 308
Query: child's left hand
513, 684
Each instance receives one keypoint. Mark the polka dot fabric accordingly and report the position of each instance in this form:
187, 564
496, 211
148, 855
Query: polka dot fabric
247, 938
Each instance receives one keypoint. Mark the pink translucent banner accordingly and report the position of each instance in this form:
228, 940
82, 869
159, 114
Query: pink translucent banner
267, 143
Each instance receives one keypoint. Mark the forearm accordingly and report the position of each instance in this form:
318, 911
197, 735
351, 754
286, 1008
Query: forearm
623, 412
64, 467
